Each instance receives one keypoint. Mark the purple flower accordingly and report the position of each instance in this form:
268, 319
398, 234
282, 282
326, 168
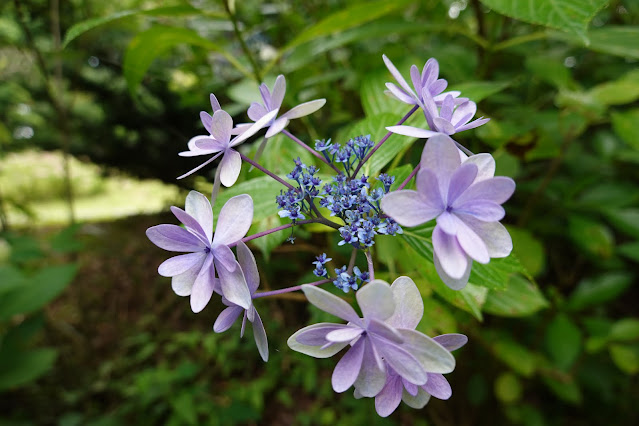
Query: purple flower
228, 316
273, 102
426, 84
373, 343
466, 199
450, 119
193, 274
219, 142
409, 309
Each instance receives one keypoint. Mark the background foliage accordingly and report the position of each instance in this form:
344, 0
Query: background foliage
554, 329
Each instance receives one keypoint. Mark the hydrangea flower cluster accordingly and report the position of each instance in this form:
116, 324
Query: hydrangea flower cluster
386, 358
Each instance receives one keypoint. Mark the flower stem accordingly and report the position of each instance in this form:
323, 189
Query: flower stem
268, 172
287, 290
238, 34
381, 142
351, 263
369, 260
409, 178
309, 149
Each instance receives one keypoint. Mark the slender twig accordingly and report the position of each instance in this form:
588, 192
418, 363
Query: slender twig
409, 178
270, 231
381, 142
309, 149
268, 172
256, 71
287, 290
53, 92
351, 263
369, 260
4, 221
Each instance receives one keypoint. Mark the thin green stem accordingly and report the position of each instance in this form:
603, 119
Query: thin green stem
256, 70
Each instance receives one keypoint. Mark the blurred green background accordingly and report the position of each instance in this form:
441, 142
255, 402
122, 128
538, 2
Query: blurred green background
97, 98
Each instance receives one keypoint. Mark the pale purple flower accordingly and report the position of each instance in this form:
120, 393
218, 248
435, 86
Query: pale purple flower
228, 316
272, 101
373, 343
409, 309
466, 199
219, 142
450, 119
193, 274
427, 83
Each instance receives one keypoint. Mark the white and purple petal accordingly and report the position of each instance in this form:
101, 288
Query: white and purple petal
375, 299
234, 220
347, 369
174, 238
330, 303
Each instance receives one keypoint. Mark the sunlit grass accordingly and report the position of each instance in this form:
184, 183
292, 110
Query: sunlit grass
32, 187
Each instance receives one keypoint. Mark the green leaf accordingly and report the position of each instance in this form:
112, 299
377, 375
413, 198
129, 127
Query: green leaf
374, 100
626, 357
520, 298
470, 299
626, 220
599, 290
516, 356
625, 330
347, 18
82, 27
508, 388
437, 319
10, 278
571, 16
263, 190
479, 90
625, 125
618, 92
594, 238
610, 40
551, 71
630, 250
148, 45
493, 275
376, 127
267, 243
24, 367
528, 249
37, 292
563, 341
566, 388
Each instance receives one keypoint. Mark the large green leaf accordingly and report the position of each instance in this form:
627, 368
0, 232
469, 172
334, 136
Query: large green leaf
263, 190
626, 220
82, 27
610, 40
571, 16
148, 45
625, 124
479, 90
599, 290
376, 127
563, 341
347, 18
37, 291
493, 275
520, 298
18, 368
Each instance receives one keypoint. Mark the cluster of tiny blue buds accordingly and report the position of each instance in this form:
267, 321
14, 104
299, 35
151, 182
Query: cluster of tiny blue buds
320, 269
293, 202
351, 201
346, 281
348, 155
